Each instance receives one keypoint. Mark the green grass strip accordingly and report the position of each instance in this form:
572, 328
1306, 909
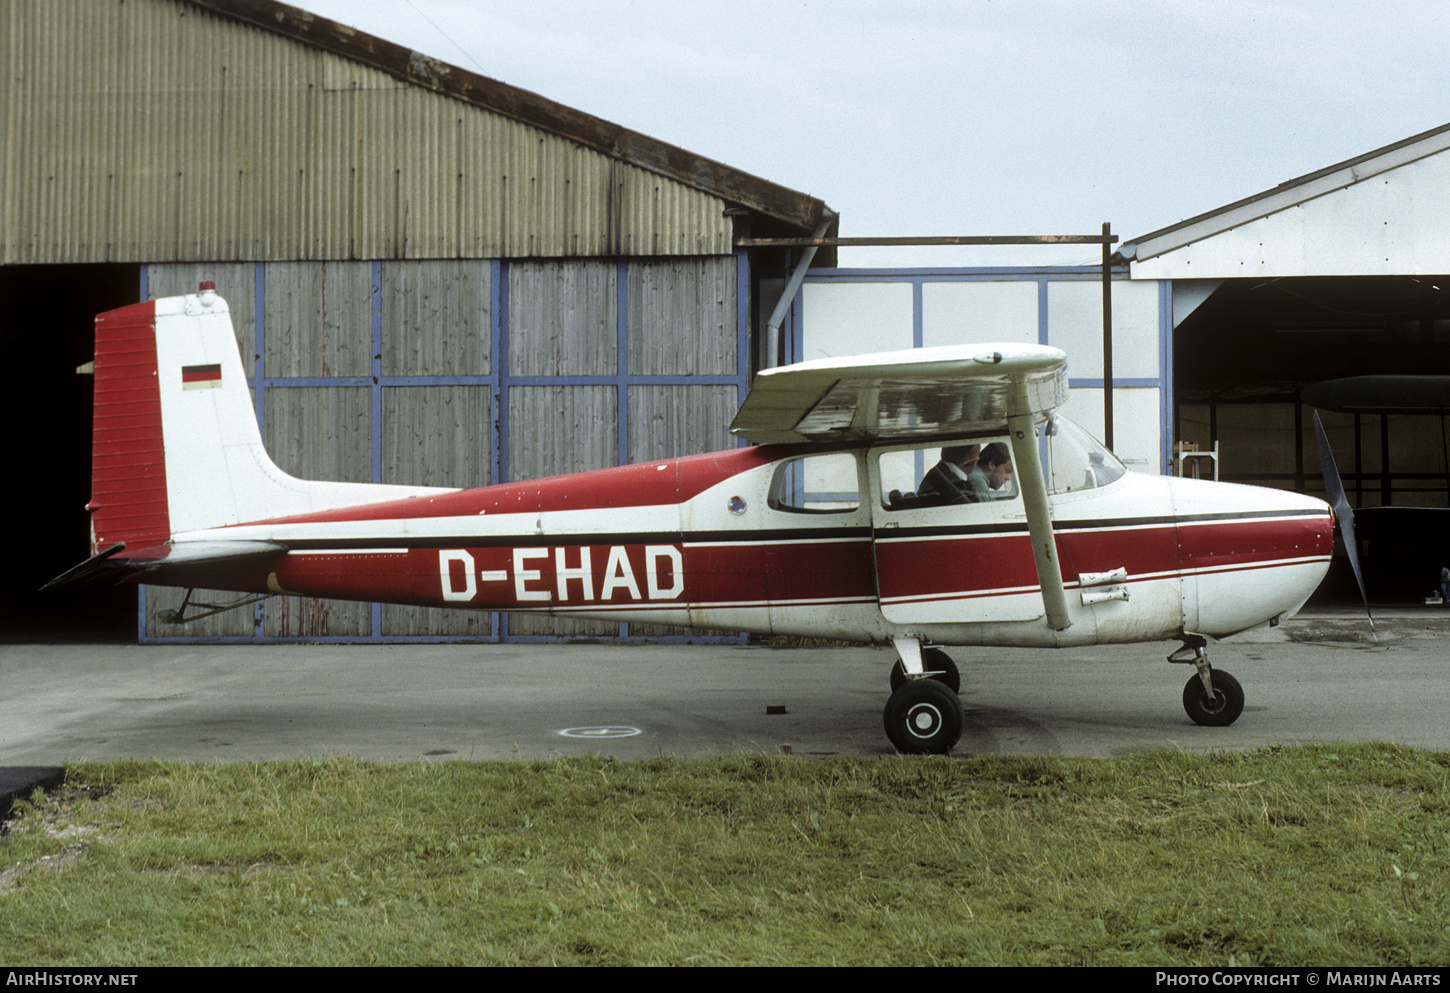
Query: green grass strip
1322, 855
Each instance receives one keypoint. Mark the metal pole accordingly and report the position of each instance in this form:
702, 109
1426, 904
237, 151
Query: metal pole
1107, 339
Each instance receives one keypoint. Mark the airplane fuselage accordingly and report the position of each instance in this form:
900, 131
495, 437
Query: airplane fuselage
701, 541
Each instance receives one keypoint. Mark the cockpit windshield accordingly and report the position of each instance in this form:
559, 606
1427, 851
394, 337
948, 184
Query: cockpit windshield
1074, 459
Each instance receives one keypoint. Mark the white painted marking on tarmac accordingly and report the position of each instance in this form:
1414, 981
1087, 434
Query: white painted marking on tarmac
601, 732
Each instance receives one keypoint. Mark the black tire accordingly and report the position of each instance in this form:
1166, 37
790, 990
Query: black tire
936, 661
923, 717
1220, 711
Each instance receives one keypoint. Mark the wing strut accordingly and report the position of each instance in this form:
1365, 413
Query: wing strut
1027, 465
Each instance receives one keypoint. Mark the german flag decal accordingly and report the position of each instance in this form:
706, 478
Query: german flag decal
201, 377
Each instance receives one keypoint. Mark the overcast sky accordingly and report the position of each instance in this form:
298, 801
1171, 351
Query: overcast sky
914, 117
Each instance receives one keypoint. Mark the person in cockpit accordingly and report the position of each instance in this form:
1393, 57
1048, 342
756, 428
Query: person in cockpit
992, 472
947, 481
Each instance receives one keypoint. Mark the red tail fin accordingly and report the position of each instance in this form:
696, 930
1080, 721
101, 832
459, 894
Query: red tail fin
128, 458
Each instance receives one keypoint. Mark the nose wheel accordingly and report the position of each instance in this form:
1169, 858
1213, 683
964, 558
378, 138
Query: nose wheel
1221, 708
1212, 697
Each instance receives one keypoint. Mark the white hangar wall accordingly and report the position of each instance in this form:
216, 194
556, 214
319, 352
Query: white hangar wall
843, 312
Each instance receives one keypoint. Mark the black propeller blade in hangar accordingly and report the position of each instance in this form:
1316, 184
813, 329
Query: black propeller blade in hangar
1343, 513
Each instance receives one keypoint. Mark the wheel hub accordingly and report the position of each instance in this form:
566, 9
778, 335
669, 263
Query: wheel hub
923, 719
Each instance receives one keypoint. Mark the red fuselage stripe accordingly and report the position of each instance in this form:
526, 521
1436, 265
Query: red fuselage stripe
648, 484
669, 574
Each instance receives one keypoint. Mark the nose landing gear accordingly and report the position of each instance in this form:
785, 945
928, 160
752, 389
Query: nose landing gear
1212, 697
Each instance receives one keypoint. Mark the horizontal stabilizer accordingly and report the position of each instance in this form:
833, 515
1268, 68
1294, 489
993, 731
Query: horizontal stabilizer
88, 571
117, 565
955, 389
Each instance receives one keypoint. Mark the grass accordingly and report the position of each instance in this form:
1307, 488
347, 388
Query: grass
1282, 856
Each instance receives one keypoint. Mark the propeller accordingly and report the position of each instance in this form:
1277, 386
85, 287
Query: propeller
1343, 514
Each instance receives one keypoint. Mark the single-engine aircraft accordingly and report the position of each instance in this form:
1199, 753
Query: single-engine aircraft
820, 529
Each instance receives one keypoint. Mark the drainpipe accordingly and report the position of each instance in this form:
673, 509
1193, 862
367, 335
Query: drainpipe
777, 317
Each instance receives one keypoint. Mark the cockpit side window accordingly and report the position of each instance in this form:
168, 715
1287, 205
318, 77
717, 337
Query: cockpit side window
976, 471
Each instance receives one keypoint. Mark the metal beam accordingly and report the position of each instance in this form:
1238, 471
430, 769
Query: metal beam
988, 239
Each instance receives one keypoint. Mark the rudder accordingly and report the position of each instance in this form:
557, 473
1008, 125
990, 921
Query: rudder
128, 462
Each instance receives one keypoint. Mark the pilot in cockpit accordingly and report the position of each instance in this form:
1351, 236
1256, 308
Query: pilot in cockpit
967, 474
946, 482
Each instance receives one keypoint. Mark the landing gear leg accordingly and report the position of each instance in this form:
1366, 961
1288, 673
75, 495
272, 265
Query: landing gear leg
1212, 697
936, 664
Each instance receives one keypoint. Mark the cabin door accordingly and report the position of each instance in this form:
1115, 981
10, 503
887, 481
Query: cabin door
949, 549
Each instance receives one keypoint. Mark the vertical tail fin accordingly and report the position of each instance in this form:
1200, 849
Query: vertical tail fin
176, 447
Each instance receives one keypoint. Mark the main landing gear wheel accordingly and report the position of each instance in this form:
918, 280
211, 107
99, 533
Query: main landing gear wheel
923, 717
938, 663
1219, 711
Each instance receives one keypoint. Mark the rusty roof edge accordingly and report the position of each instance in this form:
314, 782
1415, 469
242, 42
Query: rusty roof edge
526, 107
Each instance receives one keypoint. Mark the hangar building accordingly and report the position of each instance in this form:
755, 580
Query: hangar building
1340, 273
436, 278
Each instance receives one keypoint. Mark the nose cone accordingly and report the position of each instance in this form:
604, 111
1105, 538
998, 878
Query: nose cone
1247, 554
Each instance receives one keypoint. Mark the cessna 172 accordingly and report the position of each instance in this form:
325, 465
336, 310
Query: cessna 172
821, 529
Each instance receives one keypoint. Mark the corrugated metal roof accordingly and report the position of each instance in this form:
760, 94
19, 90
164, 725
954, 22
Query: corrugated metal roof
526, 107
171, 130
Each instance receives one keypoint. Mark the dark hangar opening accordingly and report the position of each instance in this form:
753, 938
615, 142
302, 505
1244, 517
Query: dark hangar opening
1243, 359
47, 330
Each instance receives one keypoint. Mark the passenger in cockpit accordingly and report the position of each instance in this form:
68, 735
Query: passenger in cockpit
993, 471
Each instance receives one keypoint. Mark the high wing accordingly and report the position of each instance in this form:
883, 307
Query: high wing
954, 389
925, 392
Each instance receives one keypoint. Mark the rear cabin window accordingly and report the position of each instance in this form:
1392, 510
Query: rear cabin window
816, 484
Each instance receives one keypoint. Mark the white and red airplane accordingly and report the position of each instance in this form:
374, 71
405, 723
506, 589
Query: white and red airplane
815, 531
